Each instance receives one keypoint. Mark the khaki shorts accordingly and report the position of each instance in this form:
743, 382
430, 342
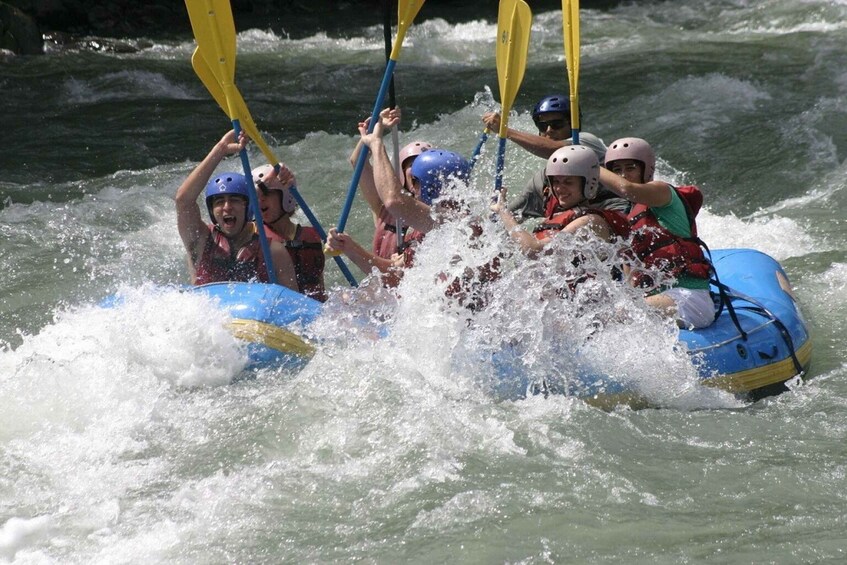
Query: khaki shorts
694, 307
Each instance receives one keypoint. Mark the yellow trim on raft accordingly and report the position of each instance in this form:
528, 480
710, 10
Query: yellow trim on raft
759, 377
271, 336
737, 383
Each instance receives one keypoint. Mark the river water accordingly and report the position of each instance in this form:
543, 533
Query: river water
130, 434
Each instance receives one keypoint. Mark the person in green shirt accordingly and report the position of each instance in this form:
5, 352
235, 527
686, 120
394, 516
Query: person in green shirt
663, 235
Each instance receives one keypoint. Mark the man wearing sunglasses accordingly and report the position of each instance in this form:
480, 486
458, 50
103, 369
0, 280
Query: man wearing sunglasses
552, 117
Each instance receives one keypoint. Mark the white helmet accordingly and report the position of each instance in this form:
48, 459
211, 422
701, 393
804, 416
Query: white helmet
576, 161
636, 149
265, 176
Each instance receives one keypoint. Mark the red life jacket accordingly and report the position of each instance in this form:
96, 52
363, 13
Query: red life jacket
306, 251
219, 263
411, 241
556, 221
657, 247
471, 288
385, 235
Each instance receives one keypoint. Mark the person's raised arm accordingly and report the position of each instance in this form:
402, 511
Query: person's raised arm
192, 228
538, 145
405, 207
367, 187
654, 194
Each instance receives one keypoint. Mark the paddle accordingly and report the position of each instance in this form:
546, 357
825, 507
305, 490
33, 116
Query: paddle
209, 80
514, 22
570, 25
406, 10
392, 103
214, 30
483, 137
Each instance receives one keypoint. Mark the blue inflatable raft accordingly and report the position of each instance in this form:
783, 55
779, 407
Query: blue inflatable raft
770, 342
758, 342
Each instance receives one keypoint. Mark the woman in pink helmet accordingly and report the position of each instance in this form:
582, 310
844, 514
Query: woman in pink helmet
304, 244
573, 176
664, 235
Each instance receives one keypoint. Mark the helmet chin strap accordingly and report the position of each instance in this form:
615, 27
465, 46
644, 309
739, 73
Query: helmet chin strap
282, 214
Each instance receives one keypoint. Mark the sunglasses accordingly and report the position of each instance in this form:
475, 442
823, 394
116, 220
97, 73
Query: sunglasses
554, 124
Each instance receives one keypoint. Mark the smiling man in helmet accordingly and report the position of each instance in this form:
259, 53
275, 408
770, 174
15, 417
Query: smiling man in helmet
228, 248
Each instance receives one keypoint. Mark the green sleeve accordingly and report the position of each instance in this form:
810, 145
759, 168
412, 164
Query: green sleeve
673, 216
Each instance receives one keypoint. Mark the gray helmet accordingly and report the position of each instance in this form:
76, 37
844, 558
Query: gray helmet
636, 149
576, 161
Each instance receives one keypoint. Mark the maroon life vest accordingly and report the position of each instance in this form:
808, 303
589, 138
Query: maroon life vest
385, 235
219, 263
471, 288
306, 251
412, 239
658, 247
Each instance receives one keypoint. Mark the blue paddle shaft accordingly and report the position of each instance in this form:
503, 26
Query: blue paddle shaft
315, 224
501, 157
575, 136
483, 137
254, 205
363, 154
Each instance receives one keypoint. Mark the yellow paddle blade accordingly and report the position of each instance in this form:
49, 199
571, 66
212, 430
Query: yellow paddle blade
406, 12
214, 30
209, 80
514, 23
570, 25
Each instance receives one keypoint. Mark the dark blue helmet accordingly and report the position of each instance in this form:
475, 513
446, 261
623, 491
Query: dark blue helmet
552, 103
435, 166
228, 183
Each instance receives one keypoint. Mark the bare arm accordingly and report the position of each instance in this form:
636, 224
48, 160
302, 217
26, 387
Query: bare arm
363, 258
367, 186
529, 244
406, 208
592, 222
538, 145
654, 194
192, 229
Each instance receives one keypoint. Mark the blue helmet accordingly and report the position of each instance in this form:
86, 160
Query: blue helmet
433, 167
552, 103
228, 183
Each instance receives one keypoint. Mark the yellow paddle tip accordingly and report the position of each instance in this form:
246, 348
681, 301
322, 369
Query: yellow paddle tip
331, 252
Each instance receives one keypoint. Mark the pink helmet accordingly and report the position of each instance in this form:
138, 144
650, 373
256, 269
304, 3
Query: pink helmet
266, 176
413, 150
636, 149
576, 161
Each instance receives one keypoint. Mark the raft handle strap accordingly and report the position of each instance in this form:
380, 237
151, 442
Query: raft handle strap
759, 308
725, 293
